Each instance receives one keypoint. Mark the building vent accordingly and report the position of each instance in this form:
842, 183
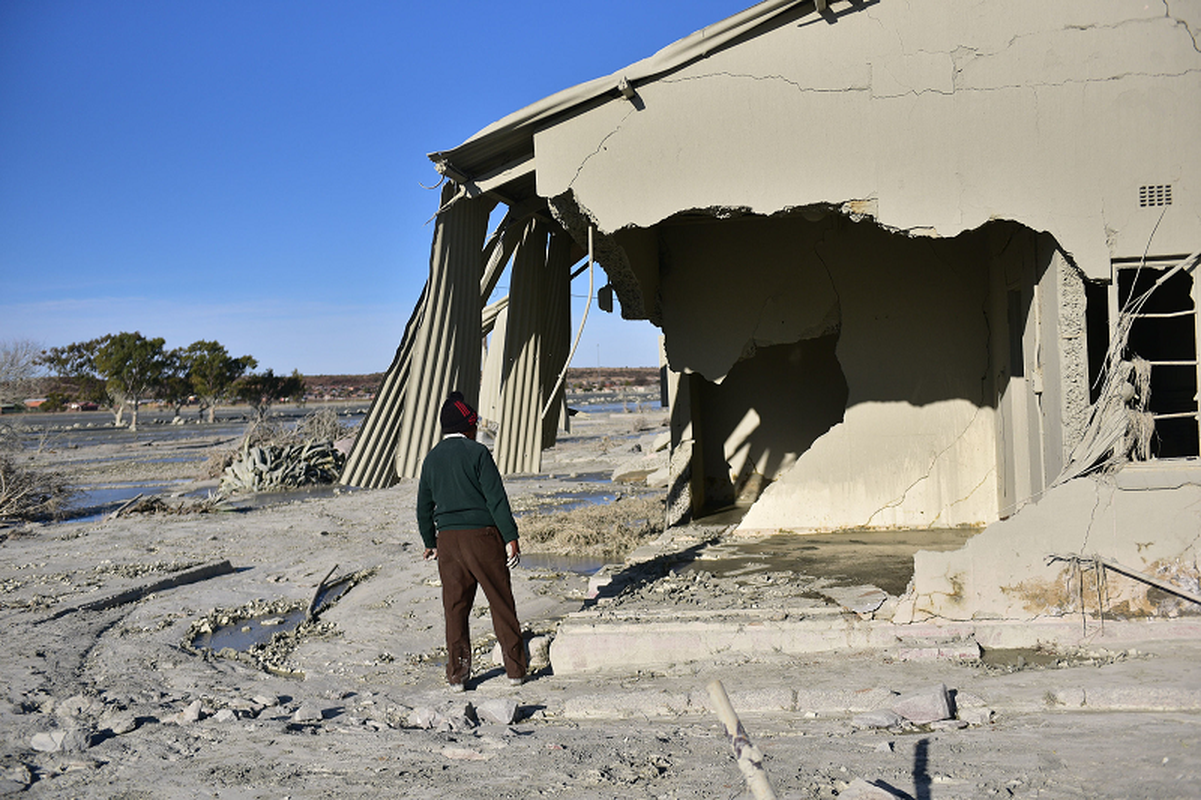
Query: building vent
1155, 195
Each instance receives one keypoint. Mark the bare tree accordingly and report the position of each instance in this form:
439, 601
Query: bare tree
25, 492
18, 369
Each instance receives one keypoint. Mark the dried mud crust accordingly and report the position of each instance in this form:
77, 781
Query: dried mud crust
121, 680
701, 589
34, 589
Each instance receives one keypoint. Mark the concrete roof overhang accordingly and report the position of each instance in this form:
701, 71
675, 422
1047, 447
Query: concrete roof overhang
499, 160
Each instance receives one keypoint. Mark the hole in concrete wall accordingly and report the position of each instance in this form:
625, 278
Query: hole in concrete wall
769, 410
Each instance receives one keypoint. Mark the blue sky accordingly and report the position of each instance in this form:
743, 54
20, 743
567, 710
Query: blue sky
251, 171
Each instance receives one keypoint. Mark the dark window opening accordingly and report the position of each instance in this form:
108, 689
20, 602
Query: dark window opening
1096, 323
1165, 333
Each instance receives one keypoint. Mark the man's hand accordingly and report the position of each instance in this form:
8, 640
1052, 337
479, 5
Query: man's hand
431, 552
514, 551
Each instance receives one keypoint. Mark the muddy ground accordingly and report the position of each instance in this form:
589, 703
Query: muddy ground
117, 701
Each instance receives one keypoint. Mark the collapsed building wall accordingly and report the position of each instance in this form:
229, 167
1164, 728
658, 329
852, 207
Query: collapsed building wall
902, 395
1147, 519
896, 215
513, 382
934, 123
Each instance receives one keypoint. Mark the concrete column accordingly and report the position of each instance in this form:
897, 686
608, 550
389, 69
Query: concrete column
518, 443
446, 352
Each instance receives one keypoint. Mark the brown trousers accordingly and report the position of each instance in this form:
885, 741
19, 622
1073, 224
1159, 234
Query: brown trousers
467, 559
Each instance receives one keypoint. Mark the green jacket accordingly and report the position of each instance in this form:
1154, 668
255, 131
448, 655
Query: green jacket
460, 488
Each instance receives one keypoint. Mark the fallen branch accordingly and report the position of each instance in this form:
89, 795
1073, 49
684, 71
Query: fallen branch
125, 505
138, 592
311, 614
750, 760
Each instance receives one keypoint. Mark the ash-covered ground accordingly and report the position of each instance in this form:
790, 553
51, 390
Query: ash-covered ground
104, 698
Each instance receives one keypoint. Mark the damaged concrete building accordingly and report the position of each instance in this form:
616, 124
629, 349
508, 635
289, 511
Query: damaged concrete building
889, 246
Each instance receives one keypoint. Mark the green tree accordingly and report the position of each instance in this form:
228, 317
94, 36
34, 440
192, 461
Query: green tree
77, 363
132, 367
260, 390
175, 387
213, 372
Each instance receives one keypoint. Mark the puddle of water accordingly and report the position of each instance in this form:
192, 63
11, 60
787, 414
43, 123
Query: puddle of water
558, 562
245, 502
565, 477
570, 501
243, 635
96, 503
331, 594
879, 558
247, 633
628, 407
1018, 658
130, 459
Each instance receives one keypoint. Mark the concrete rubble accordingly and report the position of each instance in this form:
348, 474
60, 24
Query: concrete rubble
498, 711
922, 708
307, 713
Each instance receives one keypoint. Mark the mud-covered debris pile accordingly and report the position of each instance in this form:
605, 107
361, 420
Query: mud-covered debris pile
157, 505
266, 468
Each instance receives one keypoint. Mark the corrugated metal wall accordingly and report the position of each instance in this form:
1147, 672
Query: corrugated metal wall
442, 345
446, 355
519, 440
370, 462
556, 335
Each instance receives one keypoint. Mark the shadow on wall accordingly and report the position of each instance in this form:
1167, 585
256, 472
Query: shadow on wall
746, 408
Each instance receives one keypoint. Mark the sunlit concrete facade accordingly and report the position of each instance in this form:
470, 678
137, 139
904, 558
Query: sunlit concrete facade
904, 203
884, 241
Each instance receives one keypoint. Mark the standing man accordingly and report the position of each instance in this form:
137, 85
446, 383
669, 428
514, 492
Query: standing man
465, 521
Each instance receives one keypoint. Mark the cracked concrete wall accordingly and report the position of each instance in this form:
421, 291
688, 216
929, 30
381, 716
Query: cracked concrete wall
935, 120
1003, 573
770, 410
730, 286
943, 115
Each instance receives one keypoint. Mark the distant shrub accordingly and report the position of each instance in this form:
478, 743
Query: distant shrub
27, 493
